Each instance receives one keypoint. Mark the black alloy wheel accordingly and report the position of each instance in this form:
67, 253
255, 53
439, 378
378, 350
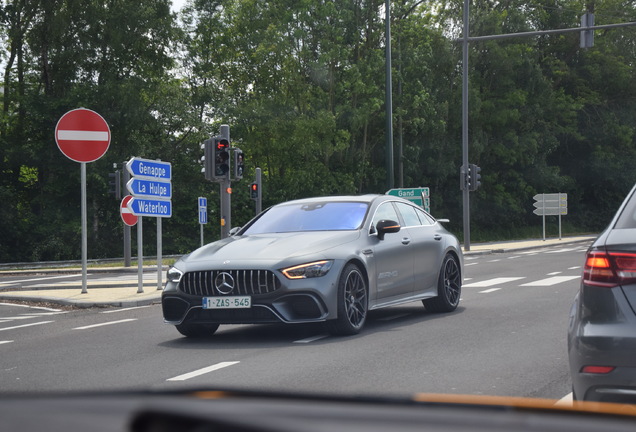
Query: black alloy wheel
449, 287
352, 302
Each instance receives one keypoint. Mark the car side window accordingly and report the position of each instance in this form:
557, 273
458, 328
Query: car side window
408, 214
385, 211
425, 219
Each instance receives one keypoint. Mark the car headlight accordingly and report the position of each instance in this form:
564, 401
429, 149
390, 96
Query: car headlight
309, 270
174, 275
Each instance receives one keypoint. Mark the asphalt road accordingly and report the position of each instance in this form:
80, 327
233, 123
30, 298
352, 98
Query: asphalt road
506, 338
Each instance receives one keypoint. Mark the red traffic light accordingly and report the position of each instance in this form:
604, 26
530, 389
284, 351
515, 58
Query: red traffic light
222, 144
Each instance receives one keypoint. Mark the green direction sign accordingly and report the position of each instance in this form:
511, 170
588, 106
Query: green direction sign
419, 196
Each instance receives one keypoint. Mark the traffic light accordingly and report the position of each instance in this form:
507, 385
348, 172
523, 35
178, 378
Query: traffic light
474, 177
114, 184
221, 158
254, 191
239, 159
208, 159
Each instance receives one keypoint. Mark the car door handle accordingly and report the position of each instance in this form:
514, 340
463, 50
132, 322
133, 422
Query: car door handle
406, 240
437, 237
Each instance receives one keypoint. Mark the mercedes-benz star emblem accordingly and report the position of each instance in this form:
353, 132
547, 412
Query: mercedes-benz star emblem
224, 283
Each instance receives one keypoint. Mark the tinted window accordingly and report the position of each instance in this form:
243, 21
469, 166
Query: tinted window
386, 211
408, 214
319, 216
425, 218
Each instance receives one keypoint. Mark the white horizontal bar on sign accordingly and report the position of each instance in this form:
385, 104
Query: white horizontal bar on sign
80, 135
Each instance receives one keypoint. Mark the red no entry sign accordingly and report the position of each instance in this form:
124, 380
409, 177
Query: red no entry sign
126, 215
82, 135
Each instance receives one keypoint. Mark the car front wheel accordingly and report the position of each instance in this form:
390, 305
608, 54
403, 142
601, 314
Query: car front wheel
352, 302
449, 287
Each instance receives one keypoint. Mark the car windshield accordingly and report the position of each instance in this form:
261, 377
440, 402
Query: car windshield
316, 216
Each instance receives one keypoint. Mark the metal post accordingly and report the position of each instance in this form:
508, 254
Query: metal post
84, 229
543, 213
140, 256
259, 199
201, 228
388, 100
226, 197
159, 255
127, 230
465, 191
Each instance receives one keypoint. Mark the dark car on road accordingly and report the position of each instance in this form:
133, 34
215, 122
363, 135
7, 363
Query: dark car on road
329, 259
602, 328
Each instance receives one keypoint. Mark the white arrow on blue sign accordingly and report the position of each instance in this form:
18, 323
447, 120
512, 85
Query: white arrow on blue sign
149, 207
203, 210
149, 188
150, 169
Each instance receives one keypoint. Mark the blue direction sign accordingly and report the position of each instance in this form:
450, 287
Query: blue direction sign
149, 169
203, 210
149, 188
150, 207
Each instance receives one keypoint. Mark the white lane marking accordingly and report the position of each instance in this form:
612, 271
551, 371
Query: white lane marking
553, 273
312, 339
392, 317
13, 318
39, 314
31, 307
105, 324
125, 309
574, 268
514, 257
491, 282
495, 260
551, 281
36, 279
5, 342
566, 400
203, 371
470, 264
489, 290
26, 325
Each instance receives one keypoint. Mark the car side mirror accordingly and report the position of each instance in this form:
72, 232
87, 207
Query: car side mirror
386, 226
443, 220
234, 231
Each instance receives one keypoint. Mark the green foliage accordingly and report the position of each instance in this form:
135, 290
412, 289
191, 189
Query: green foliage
301, 83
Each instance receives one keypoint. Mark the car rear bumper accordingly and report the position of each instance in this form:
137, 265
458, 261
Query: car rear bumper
602, 332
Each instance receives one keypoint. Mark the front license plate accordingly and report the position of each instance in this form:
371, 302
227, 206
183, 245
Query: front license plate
239, 302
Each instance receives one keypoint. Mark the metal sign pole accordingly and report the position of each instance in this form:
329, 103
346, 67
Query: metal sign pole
543, 202
140, 256
159, 261
84, 235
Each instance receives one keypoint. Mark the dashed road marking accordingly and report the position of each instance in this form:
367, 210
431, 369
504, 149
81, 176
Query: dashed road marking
489, 290
312, 339
203, 371
105, 324
551, 281
26, 325
491, 282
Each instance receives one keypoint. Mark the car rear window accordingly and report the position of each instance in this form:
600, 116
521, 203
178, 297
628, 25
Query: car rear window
627, 219
318, 216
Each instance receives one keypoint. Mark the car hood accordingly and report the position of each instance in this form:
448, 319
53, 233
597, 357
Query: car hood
273, 247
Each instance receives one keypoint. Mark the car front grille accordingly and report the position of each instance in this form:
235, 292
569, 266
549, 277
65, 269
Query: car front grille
229, 282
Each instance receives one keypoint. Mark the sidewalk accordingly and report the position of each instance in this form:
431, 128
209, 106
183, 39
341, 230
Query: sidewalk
121, 290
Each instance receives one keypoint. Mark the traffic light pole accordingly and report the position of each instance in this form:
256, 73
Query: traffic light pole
225, 193
259, 198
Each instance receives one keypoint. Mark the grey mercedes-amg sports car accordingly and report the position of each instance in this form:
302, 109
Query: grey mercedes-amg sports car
328, 259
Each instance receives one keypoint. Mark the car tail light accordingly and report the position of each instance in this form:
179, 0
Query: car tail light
609, 269
597, 369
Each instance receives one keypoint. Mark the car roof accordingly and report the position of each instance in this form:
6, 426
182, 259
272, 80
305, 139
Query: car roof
368, 198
